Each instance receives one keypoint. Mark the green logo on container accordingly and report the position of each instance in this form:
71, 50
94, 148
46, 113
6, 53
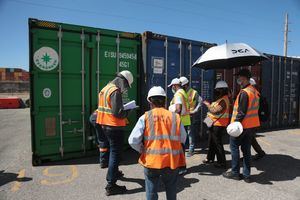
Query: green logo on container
46, 58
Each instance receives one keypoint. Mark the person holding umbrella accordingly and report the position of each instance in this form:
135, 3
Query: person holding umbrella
218, 113
245, 112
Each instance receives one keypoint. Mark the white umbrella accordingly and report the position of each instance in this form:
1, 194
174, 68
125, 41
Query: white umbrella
229, 56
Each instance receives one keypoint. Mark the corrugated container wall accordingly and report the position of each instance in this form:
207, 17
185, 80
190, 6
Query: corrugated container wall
68, 66
278, 81
167, 57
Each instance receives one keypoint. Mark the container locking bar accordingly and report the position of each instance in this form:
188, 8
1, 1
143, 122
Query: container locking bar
61, 148
180, 58
82, 37
118, 53
191, 60
98, 61
166, 65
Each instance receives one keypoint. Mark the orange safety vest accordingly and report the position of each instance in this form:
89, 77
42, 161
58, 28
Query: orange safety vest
162, 145
221, 119
251, 119
191, 97
105, 116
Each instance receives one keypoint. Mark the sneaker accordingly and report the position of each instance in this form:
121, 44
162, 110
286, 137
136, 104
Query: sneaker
114, 190
207, 161
190, 154
231, 175
103, 165
259, 156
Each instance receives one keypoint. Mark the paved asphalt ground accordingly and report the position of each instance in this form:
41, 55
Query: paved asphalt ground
276, 176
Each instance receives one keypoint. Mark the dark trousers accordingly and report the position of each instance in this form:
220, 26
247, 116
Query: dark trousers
244, 140
215, 144
168, 177
101, 140
256, 146
115, 140
103, 144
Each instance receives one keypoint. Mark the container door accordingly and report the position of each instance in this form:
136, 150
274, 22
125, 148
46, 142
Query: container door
155, 65
59, 92
112, 54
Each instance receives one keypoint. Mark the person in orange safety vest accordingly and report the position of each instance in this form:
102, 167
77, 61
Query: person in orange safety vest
158, 136
111, 117
245, 111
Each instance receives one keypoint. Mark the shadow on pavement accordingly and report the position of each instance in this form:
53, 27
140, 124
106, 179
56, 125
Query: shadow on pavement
276, 167
139, 181
182, 183
206, 170
7, 177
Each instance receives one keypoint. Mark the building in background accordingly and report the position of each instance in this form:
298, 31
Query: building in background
13, 80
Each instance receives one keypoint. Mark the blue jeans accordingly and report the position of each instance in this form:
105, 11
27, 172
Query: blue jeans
244, 140
168, 177
115, 140
194, 129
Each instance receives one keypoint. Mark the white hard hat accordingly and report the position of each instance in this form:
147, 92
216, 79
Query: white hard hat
221, 84
175, 81
183, 80
235, 129
156, 91
252, 81
128, 76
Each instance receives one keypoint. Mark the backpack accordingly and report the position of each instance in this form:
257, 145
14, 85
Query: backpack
263, 111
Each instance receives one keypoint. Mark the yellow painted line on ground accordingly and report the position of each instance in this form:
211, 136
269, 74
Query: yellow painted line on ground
46, 172
74, 175
17, 185
263, 141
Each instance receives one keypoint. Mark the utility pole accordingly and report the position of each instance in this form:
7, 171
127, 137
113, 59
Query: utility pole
286, 30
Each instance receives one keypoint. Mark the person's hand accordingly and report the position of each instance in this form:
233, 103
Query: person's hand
206, 103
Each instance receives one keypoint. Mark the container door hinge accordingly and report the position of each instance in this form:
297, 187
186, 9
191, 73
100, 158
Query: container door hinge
61, 150
69, 122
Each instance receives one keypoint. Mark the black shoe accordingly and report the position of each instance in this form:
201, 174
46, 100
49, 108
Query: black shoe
247, 179
207, 161
220, 166
259, 156
114, 190
120, 174
103, 165
230, 175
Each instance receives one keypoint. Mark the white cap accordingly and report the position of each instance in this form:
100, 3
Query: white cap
175, 81
235, 129
128, 76
221, 84
183, 80
156, 91
252, 81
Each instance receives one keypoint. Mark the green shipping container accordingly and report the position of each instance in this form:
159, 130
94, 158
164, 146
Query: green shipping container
69, 64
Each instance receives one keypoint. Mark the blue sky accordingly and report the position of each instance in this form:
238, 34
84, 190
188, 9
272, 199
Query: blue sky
259, 23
